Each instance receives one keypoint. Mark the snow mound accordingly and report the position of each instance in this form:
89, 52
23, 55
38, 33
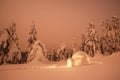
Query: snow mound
78, 58
115, 58
36, 54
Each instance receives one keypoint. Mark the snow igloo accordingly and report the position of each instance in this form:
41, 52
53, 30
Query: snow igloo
78, 58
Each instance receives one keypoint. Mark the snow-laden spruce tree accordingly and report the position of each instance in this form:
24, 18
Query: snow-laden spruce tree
37, 50
115, 23
14, 54
32, 35
61, 51
10, 45
89, 42
32, 38
4, 45
74, 44
82, 45
110, 39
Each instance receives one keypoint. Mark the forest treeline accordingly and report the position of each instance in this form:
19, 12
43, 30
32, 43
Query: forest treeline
105, 42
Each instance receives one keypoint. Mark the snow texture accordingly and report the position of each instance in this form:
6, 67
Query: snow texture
36, 53
108, 70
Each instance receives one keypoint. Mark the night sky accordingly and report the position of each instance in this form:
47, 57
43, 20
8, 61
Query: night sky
56, 21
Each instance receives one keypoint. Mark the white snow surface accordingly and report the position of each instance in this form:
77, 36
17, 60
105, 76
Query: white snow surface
103, 68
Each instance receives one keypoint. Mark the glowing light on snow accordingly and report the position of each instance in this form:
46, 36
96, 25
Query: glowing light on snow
52, 66
69, 63
43, 67
78, 59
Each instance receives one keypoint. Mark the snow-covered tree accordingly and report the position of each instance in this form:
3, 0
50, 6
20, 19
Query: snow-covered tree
82, 45
10, 45
110, 39
14, 55
4, 45
32, 34
61, 51
89, 42
74, 44
54, 55
36, 54
115, 23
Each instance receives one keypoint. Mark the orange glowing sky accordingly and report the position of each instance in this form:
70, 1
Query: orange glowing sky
56, 20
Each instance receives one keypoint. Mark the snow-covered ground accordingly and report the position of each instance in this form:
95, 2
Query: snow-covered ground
103, 68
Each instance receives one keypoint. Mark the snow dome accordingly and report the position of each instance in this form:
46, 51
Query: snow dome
78, 58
